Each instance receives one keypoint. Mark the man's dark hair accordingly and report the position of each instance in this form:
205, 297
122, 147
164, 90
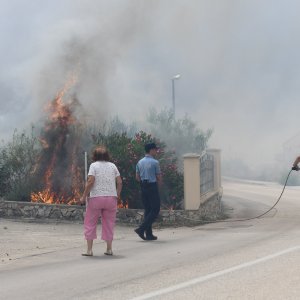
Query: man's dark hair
101, 154
150, 146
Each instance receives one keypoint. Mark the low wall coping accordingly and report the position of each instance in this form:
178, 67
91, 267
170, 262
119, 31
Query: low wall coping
74, 213
210, 194
191, 155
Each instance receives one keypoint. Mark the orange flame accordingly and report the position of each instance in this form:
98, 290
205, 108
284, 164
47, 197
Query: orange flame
59, 120
122, 204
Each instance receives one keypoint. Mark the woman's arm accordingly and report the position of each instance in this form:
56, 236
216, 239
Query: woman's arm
119, 185
88, 186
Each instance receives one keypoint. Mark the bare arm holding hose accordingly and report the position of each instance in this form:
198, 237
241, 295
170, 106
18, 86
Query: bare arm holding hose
295, 164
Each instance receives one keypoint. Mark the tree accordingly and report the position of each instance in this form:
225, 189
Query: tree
180, 135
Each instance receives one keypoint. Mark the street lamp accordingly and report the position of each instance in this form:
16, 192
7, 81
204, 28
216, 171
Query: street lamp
176, 77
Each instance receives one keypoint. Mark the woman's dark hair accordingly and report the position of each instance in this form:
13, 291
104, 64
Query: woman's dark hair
101, 154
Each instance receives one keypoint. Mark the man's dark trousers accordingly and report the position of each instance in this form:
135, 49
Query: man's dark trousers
151, 201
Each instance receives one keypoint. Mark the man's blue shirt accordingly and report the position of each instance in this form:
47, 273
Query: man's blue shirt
148, 168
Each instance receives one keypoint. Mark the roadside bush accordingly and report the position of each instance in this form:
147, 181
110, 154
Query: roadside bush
17, 161
126, 152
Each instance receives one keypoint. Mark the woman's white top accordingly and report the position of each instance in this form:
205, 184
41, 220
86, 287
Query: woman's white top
105, 174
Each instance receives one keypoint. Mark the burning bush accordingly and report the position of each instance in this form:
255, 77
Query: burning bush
58, 165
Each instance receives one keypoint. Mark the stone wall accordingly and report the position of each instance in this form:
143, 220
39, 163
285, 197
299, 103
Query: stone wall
210, 210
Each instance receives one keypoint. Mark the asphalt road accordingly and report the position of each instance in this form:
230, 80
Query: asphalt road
257, 259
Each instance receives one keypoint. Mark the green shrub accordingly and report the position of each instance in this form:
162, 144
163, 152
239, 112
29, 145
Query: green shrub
17, 161
126, 152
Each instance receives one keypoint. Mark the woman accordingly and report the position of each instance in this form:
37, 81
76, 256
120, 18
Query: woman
104, 185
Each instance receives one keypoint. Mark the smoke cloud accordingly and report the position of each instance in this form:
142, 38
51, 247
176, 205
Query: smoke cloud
238, 62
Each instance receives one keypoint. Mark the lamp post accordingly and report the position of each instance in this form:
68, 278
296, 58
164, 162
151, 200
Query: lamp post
85, 166
173, 91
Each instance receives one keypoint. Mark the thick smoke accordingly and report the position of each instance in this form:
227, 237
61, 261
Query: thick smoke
238, 62
86, 39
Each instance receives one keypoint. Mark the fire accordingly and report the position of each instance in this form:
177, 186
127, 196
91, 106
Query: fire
58, 167
122, 204
46, 196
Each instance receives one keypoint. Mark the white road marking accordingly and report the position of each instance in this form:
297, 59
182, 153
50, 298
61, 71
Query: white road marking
214, 275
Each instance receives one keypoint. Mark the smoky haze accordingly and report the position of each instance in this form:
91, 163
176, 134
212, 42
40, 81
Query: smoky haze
238, 60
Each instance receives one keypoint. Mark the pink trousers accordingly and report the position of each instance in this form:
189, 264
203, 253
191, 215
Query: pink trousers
106, 208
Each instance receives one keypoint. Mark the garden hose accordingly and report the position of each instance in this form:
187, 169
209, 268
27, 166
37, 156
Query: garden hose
245, 219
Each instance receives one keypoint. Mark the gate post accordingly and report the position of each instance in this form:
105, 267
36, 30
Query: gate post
191, 166
217, 167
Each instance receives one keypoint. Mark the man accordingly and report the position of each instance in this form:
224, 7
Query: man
149, 175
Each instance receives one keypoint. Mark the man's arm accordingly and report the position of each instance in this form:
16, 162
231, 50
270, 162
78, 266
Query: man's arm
158, 174
137, 173
137, 177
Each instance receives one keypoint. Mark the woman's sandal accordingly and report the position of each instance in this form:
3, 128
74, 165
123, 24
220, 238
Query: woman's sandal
108, 252
87, 254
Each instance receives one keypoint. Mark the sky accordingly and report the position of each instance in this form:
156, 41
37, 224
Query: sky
238, 60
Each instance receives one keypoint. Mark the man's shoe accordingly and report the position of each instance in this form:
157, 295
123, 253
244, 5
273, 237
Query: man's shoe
140, 233
151, 238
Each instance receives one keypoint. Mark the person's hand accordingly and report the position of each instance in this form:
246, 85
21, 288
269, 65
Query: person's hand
295, 168
82, 200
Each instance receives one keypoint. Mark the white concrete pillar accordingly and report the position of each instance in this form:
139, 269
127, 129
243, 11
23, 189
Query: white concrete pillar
191, 166
217, 167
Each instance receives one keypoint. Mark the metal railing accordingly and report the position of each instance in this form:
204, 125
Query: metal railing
206, 173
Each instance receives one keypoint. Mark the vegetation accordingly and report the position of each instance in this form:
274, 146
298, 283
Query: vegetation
18, 157
180, 135
126, 152
17, 161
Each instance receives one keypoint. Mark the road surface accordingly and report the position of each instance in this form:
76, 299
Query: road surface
258, 259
